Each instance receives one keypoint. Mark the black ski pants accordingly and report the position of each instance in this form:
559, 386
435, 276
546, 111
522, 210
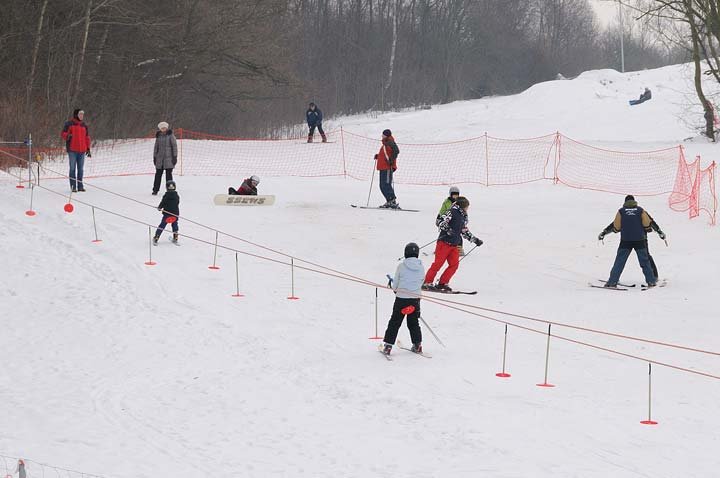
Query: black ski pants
396, 320
158, 178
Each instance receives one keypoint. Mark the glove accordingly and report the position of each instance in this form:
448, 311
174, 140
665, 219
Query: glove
601, 236
662, 235
87, 153
375, 157
174, 160
477, 241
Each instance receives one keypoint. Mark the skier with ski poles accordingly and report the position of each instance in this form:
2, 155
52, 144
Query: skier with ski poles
453, 228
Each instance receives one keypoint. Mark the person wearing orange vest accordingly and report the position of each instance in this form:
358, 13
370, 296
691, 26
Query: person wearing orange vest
387, 165
77, 141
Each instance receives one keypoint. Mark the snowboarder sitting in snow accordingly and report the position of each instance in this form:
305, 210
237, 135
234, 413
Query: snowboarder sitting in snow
646, 95
406, 284
446, 205
170, 207
247, 188
453, 227
387, 165
633, 223
313, 116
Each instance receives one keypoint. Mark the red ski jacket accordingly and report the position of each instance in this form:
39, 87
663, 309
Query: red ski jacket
388, 151
76, 136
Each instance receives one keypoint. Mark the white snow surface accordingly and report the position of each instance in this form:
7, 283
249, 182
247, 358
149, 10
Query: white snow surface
126, 370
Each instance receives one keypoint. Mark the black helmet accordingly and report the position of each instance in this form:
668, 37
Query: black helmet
462, 202
170, 185
412, 250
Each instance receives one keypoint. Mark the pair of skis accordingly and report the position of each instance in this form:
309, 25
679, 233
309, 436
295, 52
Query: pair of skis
399, 345
625, 287
384, 208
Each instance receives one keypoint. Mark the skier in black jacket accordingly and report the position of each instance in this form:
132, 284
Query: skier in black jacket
314, 118
170, 207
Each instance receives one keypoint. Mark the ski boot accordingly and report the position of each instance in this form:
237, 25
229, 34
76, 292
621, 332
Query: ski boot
324, 138
417, 348
155, 240
610, 286
393, 204
443, 288
175, 237
384, 206
428, 286
387, 348
310, 138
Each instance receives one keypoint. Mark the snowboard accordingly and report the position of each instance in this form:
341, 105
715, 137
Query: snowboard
238, 200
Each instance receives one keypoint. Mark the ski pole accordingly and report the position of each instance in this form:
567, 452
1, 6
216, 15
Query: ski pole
421, 247
463, 257
372, 179
431, 331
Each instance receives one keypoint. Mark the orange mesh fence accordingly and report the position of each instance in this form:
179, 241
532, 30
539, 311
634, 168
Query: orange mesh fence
707, 200
643, 173
483, 160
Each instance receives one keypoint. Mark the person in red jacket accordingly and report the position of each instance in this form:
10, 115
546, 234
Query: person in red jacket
387, 164
77, 140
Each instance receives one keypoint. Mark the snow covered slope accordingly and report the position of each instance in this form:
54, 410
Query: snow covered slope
120, 369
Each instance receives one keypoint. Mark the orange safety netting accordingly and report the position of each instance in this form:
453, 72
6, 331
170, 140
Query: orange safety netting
482, 160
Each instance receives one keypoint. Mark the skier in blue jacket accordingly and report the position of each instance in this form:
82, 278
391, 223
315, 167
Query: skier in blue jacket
313, 116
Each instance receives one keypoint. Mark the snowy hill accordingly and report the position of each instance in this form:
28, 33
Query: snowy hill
126, 370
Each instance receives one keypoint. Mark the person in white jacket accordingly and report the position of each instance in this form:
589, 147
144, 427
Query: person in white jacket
407, 284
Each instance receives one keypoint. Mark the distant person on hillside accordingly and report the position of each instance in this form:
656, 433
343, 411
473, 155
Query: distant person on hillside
247, 188
453, 228
313, 116
387, 164
633, 223
445, 207
170, 207
77, 141
646, 95
406, 285
165, 155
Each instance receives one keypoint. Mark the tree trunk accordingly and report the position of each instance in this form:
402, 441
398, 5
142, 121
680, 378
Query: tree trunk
392, 49
86, 31
36, 48
103, 42
707, 107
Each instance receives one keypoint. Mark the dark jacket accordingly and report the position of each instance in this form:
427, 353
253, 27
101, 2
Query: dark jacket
633, 224
313, 117
247, 188
170, 203
453, 226
76, 136
387, 156
166, 152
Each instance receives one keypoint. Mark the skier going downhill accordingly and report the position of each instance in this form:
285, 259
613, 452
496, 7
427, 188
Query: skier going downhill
406, 284
453, 228
633, 223
170, 207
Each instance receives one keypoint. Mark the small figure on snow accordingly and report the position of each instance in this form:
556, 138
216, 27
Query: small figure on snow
633, 223
406, 284
446, 205
165, 155
77, 142
386, 163
313, 116
453, 228
646, 95
247, 188
170, 207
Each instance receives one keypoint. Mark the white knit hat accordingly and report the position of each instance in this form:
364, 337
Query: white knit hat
163, 124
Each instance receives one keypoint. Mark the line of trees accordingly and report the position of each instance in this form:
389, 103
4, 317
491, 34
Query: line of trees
249, 67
